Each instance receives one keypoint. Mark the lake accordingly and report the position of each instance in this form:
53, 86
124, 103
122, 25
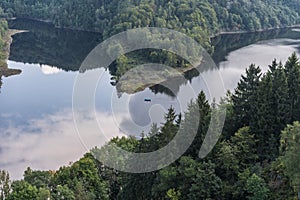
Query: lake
36, 120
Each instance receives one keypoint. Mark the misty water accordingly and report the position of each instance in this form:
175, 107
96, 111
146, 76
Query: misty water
36, 118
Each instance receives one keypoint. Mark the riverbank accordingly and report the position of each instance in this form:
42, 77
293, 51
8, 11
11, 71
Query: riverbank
255, 31
212, 36
148, 75
50, 23
4, 70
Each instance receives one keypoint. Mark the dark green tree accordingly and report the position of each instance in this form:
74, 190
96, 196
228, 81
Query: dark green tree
199, 112
23, 191
83, 179
4, 185
190, 179
39, 179
273, 110
62, 192
245, 98
290, 149
256, 188
292, 71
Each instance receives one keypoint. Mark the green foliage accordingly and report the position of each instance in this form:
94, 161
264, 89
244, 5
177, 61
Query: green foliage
202, 109
254, 160
199, 19
4, 185
39, 179
256, 188
82, 178
245, 97
44, 194
190, 179
292, 71
22, 190
279, 183
172, 194
63, 192
3, 31
273, 111
290, 149
267, 103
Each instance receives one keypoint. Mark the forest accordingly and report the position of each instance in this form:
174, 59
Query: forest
256, 157
198, 19
3, 30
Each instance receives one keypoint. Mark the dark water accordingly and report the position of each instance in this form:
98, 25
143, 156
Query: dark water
36, 119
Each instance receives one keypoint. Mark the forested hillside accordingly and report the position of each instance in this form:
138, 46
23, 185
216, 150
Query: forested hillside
4, 48
3, 30
199, 19
256, 158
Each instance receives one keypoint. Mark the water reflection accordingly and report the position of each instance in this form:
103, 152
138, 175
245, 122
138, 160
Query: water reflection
261, 54
66, 49
48, 70
44, 44
49, 141
230, 42
37, 127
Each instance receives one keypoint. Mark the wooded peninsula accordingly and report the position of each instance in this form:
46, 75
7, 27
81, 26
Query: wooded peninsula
257, 155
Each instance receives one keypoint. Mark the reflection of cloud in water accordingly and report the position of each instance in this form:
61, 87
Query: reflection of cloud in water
129, 127
262, 53
278, 42
48, 70
50, 142
296, 29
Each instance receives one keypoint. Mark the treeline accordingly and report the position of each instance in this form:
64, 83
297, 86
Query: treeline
3, 30
199, 19
65, 49
256, 158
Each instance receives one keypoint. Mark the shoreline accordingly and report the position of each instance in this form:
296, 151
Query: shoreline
211, 37
255, 31
133, 82
49, 22
4, 70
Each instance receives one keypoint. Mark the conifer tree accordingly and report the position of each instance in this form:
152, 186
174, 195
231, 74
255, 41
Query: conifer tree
245, 105
292, 71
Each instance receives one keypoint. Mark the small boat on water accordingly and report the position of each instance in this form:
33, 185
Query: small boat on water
147, 100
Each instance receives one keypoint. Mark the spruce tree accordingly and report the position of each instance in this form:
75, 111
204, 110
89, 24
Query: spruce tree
292, 71
273, 109
245, 98
202, 109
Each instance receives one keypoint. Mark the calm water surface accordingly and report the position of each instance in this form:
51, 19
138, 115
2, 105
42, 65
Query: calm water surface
36, 118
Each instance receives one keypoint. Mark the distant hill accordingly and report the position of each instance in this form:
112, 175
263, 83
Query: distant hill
199, 19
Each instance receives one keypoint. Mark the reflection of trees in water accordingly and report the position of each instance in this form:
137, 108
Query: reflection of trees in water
223, 45
44, 44
0, 82
229, 42
66, 49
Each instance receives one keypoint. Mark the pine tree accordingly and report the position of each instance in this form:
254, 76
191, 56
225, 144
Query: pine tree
199, 113
280, 92
272, 113
292, 71
245, 98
